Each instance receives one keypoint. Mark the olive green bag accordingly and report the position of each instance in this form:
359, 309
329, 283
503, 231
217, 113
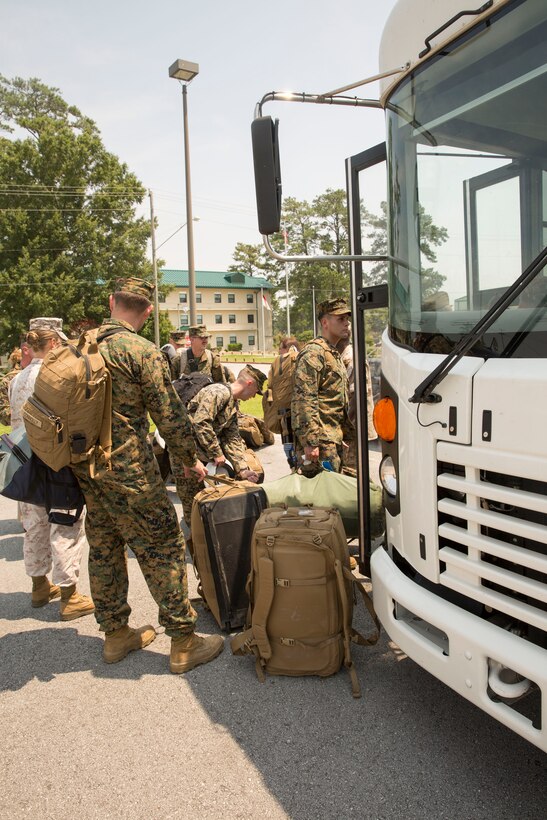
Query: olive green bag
328, 489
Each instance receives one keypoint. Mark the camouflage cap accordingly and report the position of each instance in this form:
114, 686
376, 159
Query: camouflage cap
178, 335
140, 287
250, 372
47, 323
198, 330
337, 307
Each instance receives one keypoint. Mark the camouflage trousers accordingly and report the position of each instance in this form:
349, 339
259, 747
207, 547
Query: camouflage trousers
145, 521
48, 545
327, 452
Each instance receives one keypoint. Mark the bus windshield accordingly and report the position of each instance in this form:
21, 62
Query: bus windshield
467, 170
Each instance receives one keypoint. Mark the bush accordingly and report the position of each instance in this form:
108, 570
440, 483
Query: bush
235, 346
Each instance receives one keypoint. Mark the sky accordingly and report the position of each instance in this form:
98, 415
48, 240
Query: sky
110, 58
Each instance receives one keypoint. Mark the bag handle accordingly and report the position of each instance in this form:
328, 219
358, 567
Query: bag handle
15, 449
219, 479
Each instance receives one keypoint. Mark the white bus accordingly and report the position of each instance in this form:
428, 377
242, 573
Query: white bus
460, 579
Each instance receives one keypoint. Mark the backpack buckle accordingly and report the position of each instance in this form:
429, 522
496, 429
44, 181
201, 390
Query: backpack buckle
282, 582
287, 641
270, 540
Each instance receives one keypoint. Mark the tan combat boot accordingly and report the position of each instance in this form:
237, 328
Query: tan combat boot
74, 605
43, 592
190, 650
119, 642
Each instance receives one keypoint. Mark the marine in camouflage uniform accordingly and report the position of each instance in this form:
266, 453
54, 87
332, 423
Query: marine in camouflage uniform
197, 356
5, 381
128, 504
319, 409
213, 414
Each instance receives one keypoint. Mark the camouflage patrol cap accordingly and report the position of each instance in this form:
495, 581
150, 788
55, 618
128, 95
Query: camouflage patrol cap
139, 287
250, 372
198, 330
178, 335
337, 307
47, 323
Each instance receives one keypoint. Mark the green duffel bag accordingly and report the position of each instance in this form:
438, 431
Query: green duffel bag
327, 489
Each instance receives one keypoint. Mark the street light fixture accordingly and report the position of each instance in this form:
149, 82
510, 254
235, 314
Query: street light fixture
185, 71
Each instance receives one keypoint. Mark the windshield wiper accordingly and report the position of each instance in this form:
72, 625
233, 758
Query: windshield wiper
424, 391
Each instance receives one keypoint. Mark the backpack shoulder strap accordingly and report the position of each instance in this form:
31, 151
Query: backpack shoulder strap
183, 360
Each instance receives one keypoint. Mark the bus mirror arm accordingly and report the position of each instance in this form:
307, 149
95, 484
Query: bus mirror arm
327, 257
424, 392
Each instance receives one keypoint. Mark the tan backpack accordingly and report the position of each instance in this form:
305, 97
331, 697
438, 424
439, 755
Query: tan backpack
68, 418
278, 396
301, 596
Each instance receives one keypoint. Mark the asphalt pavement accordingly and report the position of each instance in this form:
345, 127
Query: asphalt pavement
84, 739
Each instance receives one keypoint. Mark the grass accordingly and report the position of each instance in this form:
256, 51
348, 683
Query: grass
228, 356
253, 407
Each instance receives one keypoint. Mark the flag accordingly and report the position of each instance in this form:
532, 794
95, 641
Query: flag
265, 303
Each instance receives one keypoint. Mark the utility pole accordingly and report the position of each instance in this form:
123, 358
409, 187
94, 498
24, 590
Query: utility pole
313, 318
287, 284
155, 266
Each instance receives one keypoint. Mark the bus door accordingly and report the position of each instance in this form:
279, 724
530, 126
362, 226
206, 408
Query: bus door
366, 177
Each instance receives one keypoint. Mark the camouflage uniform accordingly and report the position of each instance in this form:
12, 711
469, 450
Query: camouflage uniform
5, 381
208, 362
129, 503
320, 404
213, 414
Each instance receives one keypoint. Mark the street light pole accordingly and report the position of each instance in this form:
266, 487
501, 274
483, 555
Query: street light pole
185, 71
189, 218
155, 267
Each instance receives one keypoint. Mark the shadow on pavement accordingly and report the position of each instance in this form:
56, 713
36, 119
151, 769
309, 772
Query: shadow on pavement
44, 654
11, 526
11, 549
316, 747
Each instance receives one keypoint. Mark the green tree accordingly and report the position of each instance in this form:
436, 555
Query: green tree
165, 328
68, 228
431, 236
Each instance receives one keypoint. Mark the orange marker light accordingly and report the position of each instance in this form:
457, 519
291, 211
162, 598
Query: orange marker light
385, 419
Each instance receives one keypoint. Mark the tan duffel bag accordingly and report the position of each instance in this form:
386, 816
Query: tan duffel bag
301, 596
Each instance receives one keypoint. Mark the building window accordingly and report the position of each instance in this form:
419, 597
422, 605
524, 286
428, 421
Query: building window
251, 341
218, 319
233, 340
198, 298
183, 298
220, 341
184, 320
199, 318
232, 318
231, 298
250, 299
218, 298
250, 319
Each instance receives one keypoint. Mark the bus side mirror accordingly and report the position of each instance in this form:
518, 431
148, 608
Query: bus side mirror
267, 174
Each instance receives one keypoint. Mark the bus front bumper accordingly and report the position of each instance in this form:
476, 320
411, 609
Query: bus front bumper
456, 646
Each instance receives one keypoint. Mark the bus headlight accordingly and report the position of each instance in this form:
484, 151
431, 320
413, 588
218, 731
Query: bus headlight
388, 476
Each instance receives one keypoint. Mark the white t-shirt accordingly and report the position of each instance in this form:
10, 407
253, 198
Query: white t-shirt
20, 389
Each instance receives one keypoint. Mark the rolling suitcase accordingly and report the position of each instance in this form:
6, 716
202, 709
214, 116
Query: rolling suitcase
223, 519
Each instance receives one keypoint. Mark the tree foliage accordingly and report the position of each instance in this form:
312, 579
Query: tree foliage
68, 228
320, 227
